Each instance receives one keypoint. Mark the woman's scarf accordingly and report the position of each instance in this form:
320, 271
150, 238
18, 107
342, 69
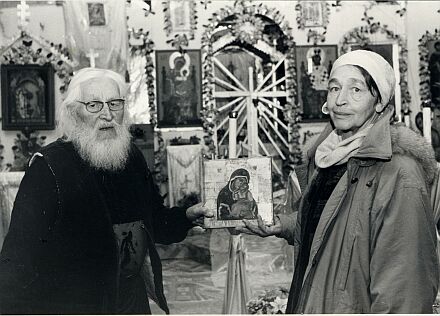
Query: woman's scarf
336, 151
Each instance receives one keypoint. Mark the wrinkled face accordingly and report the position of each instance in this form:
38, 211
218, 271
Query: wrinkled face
349, 101
104, 121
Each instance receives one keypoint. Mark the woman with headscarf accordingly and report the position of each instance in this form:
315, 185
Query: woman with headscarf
364, 228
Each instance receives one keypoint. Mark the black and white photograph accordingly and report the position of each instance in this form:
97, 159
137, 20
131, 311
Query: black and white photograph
207, 157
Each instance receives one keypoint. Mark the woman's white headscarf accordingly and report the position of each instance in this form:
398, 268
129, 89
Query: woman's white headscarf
378, 68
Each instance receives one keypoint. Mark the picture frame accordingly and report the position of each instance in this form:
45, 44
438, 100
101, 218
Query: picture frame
96, 13
313, 64
179, 96
180, 18
434, 71
180, 15
312, 14
237, 189
429, 70
28, 100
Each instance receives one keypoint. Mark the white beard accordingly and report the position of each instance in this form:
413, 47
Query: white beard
107, 154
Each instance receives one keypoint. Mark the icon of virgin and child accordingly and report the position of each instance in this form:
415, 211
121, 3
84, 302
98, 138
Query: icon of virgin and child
235, 201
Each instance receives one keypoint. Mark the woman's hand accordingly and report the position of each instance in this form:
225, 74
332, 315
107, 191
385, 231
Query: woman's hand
261, 229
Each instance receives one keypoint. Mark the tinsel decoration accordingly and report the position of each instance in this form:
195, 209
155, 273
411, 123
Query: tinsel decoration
292, 111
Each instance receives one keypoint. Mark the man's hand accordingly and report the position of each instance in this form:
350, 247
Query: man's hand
197, 212
261, 229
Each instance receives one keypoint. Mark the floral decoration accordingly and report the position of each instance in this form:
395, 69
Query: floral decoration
205, 3
160, 159
146, 7
169, 24
25, 145
179, 42
292, 111
145, 46
270, 302
3, 167
361, 35
29, 49
314, 35
425, 93
248, 28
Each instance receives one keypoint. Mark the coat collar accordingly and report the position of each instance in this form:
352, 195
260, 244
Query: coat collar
376, 145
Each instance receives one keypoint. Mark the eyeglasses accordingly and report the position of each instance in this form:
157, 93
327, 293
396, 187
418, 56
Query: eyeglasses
96, 106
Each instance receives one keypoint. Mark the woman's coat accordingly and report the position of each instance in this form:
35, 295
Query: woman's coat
374, 250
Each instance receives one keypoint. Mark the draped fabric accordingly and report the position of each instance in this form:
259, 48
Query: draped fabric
184, 171
99, 25
9, 183
237, 292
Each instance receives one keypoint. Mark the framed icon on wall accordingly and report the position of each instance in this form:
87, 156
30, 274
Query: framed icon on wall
179, 95
27, 97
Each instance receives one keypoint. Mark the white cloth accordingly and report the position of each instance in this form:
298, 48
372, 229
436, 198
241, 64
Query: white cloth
184, 171
105, 32
9, 183
335, 151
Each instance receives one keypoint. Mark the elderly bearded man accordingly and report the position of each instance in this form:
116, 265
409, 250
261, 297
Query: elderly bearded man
87, 215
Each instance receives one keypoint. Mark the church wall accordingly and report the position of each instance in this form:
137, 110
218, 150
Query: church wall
47, 20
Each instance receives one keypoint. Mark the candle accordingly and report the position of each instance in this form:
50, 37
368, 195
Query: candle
233, 134
427, 122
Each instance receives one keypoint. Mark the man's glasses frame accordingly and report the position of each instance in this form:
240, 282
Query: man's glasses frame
96, 106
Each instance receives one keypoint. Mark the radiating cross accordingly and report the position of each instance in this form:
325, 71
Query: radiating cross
23, 14
91, 56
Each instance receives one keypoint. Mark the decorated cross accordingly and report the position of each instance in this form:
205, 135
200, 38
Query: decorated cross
91, 56
23, 14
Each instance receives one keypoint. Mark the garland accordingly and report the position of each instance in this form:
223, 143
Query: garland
424, 73
21, 52
244, 9
361, 36
145, 48
177, 40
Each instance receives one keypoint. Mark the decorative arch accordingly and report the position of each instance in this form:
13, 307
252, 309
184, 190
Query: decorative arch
361, 36
244, 23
